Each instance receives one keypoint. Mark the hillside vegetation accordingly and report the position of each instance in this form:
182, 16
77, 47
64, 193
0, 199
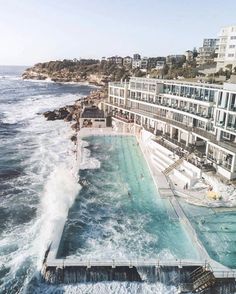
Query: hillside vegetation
90, 70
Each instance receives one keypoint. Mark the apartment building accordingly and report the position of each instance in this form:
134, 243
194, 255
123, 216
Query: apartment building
206, 53
115, 59
200, 118
136, 56
189, 55
153, 62
127, 61
144, 63
226, 52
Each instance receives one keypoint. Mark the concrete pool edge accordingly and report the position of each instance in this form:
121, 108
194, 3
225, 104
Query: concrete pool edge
165, 191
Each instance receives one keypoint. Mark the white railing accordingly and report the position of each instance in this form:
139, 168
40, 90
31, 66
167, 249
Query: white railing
130, 263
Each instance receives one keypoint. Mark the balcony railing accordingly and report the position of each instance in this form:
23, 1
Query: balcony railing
123, 117
191, 96
173, 106
203, 133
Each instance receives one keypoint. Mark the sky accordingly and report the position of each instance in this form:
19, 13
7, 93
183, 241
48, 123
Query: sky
34, 31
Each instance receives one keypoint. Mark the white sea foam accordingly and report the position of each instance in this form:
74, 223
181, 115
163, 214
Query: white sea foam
47, 80
9, 77
113, 288
86, 161
60, 192
28, 108
49, 182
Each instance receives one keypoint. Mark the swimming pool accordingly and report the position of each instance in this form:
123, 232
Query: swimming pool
216, 228
118, 213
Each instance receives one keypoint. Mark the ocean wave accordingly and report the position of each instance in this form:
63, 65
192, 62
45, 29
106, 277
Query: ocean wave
110, 288
37, 200
27, 109
86, 161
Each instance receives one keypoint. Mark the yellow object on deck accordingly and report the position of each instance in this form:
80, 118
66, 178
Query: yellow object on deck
212, 195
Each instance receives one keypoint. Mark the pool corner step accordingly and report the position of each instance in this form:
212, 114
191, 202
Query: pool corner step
165, 192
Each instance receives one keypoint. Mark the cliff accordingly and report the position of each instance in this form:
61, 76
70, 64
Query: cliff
87, 70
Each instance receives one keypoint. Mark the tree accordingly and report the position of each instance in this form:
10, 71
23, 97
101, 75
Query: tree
165, 70
195, 53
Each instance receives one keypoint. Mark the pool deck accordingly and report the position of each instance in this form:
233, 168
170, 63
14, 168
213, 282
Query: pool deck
165, 191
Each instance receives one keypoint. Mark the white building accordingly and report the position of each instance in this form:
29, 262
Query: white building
194, 116
127, 61
136, 63
144, 63
226, 52
189, 55
206, 53
92, 117
160, 65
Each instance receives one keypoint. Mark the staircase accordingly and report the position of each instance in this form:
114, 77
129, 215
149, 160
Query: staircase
202, 278
176, 163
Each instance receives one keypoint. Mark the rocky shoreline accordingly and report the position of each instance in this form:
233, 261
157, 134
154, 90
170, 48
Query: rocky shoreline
71, 113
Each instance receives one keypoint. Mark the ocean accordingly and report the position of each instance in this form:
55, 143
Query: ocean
38, 184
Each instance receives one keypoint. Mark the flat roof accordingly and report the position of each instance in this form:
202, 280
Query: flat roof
92, 112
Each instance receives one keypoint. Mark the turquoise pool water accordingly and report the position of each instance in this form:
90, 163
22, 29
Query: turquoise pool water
119, 214
216, 228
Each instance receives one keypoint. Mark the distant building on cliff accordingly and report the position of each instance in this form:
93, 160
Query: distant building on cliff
206, 53
226, 52
136, 56
115, 59
189, 55
127, 61
136, 63
154, 62
144, 63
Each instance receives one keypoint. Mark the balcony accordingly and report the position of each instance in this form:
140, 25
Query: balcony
231, 129
202, 133
123, 117
176, 107
221, 124
191, 96
226, 165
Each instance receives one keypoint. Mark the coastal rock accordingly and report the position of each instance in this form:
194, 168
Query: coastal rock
61, 113
74, 138
50, 115
75, 126
69, 117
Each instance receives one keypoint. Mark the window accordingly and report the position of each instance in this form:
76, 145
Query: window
231, 55
233, 37
225, 135
231, 46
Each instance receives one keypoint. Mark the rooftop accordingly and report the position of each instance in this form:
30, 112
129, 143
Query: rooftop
92, 112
